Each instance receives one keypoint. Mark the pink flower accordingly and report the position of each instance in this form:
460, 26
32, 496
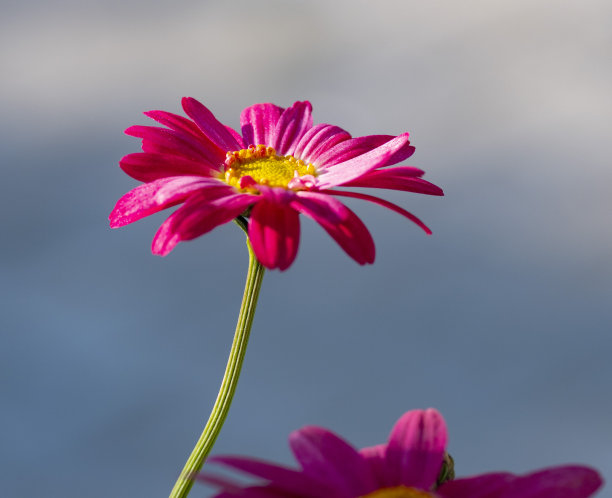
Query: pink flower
282, 166
408, 466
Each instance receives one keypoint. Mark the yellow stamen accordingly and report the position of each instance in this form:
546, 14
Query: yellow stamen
266, 168
399, 492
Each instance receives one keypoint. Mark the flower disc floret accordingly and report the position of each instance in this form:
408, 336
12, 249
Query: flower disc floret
262, 165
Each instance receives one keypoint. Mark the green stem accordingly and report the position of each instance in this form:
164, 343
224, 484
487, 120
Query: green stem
230, 378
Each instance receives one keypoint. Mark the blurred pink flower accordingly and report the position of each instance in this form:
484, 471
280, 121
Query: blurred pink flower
280, 167
408, 466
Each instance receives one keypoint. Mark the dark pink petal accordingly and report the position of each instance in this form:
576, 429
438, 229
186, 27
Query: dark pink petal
383, 155
339, 222
221, 482
258, 123
484, 486
272, 194
293, 482
383, 203
416, 448
399, 178
209, 125
291, 126
149, 166
160, 194
375, 456
164, 141
324, 455
556, 482
357, 146
274, 233
233, 489
317, 140
175, 122
196, 217
258, 492
188, 130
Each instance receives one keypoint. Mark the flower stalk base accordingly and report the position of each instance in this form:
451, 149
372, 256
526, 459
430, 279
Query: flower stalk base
230, 378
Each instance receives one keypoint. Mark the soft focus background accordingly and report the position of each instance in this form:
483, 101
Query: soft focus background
111, 357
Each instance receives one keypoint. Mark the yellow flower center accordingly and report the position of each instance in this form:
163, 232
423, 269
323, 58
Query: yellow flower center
266, 168
399, 492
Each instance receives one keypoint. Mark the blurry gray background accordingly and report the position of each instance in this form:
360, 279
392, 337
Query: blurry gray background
111, 357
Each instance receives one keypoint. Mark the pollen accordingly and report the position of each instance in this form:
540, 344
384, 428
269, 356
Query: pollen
265, 167
398, 492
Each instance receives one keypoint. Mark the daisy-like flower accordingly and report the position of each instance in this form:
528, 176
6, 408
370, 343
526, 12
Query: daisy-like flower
280, 167
410, 465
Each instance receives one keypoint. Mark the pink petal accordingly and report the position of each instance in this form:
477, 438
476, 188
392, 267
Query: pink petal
209, 125
375, 456
160, 194
148, 166
558, 482
383, 203
258, 123
317, 140
354, 147
236, 136
350, 148
416, 448
196, 217
339, 222
274, 233
291, 481
291, 126
384, 155
396, 172
164, 141
399, 178
324, 455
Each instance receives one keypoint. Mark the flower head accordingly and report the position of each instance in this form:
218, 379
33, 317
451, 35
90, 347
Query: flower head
409, 465
281, 166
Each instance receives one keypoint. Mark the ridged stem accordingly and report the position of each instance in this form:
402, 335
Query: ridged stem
230, 378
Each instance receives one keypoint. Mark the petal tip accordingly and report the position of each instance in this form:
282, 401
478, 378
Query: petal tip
115, 222
160, 249
188, 103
